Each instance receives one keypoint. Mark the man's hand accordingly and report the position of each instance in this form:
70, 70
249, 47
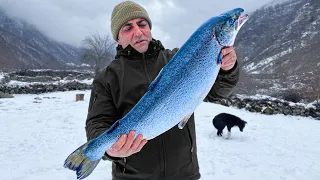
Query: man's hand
127, 145
229, 58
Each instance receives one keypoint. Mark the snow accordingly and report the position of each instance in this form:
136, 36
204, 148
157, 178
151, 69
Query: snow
20, 83
71, 64
43, 70
39, 131
249, 67
274, 3
315, 22
309, 34
85, 65
267, 61
1, 76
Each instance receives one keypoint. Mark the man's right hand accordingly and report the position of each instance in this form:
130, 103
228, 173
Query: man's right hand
127, 145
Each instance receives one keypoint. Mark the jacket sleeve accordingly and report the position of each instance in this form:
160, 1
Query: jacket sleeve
101, 111
225, 83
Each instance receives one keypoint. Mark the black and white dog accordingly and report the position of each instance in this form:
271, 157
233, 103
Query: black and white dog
222, 120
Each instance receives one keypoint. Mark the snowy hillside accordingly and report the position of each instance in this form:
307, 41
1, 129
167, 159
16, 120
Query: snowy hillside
279, 49
280, 37
22, 45
39, 131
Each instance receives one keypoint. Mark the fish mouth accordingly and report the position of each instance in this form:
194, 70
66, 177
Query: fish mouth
242, 19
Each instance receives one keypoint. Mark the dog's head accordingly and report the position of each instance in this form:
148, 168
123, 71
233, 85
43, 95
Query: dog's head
241, 125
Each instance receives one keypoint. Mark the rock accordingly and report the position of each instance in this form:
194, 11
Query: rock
5, 79
68, 78
257, 108
37, 98
239, 104
5, 95
268, 111
14, 77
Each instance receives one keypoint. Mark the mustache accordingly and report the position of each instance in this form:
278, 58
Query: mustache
140, 39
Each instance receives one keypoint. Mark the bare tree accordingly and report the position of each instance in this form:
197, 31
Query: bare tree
97, 50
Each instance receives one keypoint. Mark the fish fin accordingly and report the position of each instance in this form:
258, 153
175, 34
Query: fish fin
78, 162
183, 122
155, 81
220, 58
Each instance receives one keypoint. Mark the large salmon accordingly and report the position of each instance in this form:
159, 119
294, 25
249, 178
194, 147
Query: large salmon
174, 95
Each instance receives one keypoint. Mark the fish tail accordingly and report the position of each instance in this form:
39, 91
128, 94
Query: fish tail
78, 162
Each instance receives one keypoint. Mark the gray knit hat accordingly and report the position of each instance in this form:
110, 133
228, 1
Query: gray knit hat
124, 12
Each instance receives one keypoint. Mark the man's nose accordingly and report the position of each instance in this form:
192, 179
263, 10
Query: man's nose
137, 31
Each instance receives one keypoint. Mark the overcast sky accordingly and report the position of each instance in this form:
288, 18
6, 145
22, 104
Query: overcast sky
71, 20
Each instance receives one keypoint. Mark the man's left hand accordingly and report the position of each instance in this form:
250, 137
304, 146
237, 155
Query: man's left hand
229, 58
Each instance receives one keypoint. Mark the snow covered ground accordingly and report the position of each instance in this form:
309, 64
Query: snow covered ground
38, 134
19, 83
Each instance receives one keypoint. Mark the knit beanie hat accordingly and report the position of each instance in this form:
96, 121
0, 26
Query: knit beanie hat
124, 12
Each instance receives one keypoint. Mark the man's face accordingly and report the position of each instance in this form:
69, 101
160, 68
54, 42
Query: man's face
137, 33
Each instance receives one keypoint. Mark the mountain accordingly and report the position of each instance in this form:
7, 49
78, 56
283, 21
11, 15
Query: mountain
23, 46
278, 49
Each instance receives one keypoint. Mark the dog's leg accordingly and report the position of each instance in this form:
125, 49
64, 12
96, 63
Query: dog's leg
229, 132
229, 135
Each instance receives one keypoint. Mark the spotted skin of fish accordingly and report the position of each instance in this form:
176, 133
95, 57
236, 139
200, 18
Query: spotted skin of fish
175, 93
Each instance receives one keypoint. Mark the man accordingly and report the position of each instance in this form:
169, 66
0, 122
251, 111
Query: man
118, 87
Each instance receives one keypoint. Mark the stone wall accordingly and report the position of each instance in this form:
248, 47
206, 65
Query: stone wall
36, 82
50, 81
44, 88
271, 106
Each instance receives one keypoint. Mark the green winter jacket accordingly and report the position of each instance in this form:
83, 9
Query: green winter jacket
119, 86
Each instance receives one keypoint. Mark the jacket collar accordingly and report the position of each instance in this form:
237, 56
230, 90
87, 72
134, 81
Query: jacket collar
154, 47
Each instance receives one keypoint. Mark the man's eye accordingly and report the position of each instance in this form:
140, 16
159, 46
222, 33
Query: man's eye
127, 29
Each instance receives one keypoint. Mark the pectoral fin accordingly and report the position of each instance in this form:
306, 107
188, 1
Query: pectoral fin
155, 81
220, 58
183, 122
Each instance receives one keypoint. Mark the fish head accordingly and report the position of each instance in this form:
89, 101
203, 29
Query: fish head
226, 30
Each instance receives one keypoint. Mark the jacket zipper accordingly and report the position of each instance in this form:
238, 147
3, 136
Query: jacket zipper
146, 68
125, 164
162, 138
191, 139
